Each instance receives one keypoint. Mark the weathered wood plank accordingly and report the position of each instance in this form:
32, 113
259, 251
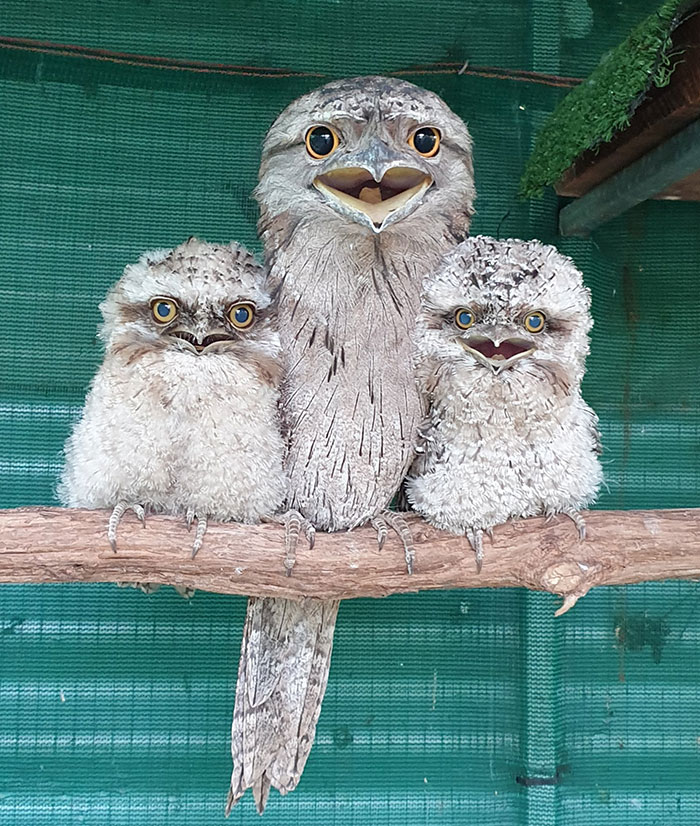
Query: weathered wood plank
672, 161
662, 114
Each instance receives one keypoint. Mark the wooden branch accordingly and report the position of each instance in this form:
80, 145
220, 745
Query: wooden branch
60, 545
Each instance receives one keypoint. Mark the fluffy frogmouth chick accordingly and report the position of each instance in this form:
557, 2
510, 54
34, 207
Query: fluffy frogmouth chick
182, 415
501, 343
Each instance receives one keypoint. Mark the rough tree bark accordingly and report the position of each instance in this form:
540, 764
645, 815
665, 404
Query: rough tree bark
61, 545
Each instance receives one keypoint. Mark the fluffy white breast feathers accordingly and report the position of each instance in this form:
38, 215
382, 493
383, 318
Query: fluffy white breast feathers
501, 343
182, 416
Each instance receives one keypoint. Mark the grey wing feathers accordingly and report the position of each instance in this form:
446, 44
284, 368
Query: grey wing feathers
282, 675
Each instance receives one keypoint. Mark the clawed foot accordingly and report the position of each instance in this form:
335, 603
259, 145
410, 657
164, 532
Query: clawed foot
476, 540
294, 523
390, 519
201, 529
574, 516
119, 510
579, 521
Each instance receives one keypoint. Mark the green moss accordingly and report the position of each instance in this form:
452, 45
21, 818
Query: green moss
603, 104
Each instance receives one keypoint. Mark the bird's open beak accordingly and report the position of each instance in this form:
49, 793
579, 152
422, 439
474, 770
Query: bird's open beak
497, 355
356, 192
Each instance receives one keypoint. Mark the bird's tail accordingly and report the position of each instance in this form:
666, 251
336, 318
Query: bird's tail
282, 676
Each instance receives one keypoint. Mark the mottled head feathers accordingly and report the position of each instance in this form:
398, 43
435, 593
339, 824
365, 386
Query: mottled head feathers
505, 318
387, 155
197, 299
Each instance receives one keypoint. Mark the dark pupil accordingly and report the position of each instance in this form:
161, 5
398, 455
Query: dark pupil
163, 309
424, 141
321, 140
242, 315
465, 318
535, 321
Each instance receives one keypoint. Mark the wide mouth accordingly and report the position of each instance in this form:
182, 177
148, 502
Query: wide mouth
198, 345
498, 356
357, 188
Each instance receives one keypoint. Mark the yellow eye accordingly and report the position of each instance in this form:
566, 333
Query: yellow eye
534, 322
321, 141
241, 315
464, 318
164, 310
426, 141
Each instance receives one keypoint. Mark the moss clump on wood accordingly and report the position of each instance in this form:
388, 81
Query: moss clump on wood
604, 103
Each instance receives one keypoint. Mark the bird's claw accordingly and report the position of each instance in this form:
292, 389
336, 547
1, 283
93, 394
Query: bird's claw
574, 516
391, 519
476, 540
294, 523
380, 526
310, 532
580, 523
199, 532
115, 518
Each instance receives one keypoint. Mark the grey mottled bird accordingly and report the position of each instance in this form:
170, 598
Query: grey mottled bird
501, 345
364, 184
182, 415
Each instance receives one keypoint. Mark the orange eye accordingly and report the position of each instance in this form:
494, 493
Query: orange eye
426, 141
321, 141
241, 315
164, 310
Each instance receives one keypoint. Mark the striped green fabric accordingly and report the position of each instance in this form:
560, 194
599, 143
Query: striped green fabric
131, 125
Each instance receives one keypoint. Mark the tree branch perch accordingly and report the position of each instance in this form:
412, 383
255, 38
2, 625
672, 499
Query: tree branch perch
41, 545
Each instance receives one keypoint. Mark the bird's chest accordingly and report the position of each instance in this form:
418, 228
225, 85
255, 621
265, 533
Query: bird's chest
508, 470
183, 387
350, 405
192, 401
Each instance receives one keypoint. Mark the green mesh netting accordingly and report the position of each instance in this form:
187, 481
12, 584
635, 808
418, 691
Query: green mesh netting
442, 708
604, 103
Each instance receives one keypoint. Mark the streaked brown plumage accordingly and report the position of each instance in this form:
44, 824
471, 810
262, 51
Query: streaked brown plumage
348, 236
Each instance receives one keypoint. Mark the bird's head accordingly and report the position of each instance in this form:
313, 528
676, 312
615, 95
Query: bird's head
371, 151
511, 316
198, 299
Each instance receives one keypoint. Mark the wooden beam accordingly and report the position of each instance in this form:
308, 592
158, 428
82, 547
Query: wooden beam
673, 160
39, 545
664, 111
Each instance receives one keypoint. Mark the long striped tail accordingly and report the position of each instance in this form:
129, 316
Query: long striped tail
282, 676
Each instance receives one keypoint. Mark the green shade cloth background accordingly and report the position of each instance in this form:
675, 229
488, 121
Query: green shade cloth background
442, 708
